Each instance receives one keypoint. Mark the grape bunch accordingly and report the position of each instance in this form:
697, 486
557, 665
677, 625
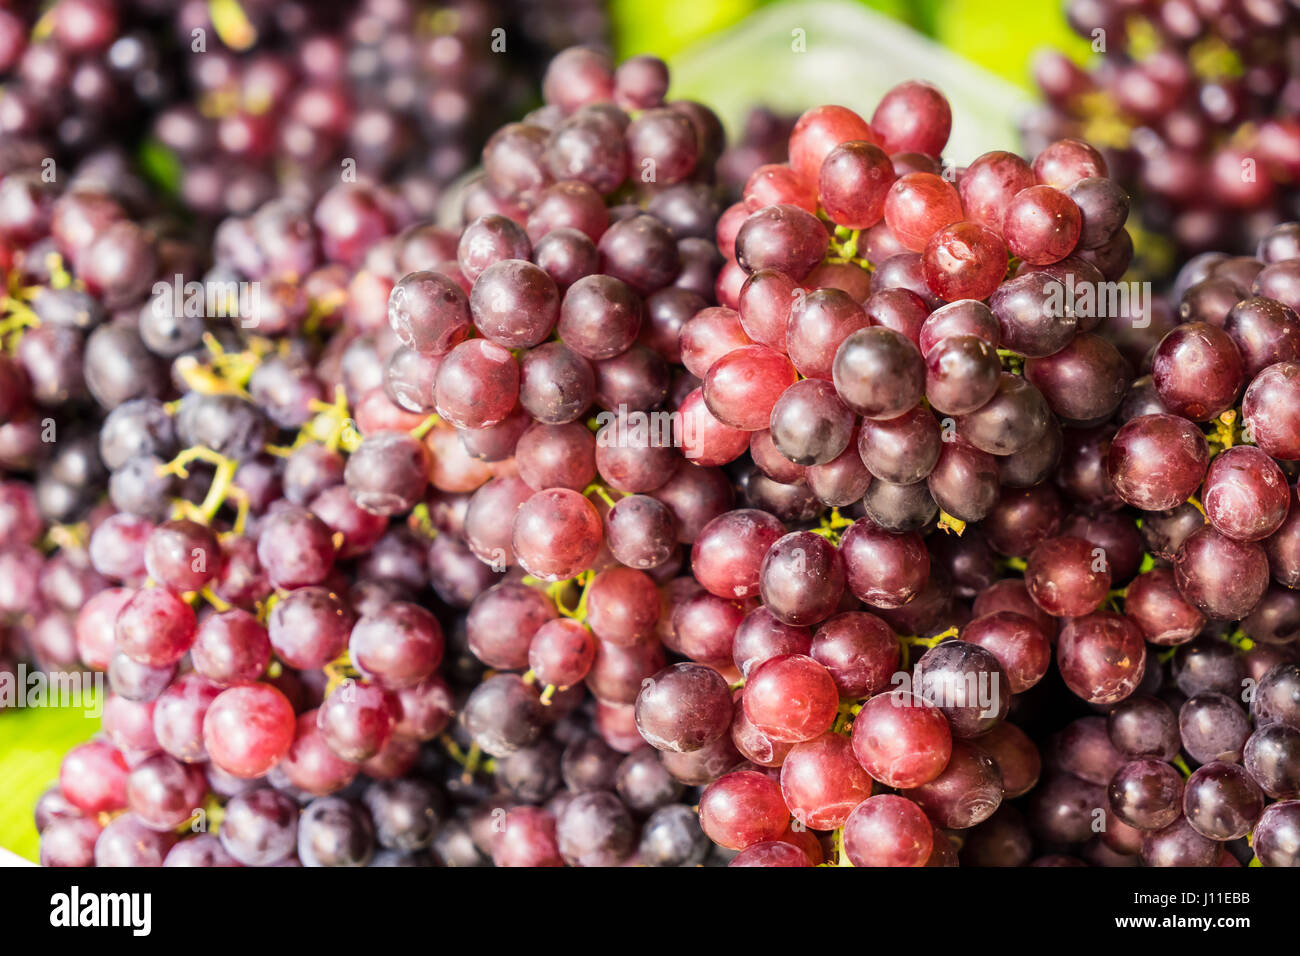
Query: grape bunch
1197, 108
242, 101
615, 525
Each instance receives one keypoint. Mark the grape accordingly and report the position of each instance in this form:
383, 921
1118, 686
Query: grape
879, 373
1018, 644
295, 548
1015, 417
882, 568
819, 131
1155, 462
989, 185
801, 579
595, 829
640, 251
742, 386
967, 792
1277, 698
743, 808
589, 764
1146, 794
1144, 727
762, 635
1103, 208
182, 555
1265, 333
810, 426
1277, 842
791, 698
672, 837
966, 683
93, 778
695, 496
770, 853
752, 743
1016, 757
888, 830
398, 646
1067, 577
1178, 844
247, 729
1269, 410
1223, 578
964, 482
853, 182
644, 784
309, 627
503, 715
126, 841
964, 260
706, 441
860, 652
902, 450
842, 480
963, 373
429, 312
231, 648
1101, 656
662, 142
728, 552
1213, 727
1041, 225
527, 838
1197, 370
155, 628
514, 303
913, 117
781, 237
1031, 315
478, 384
1066, 161
1221, 801
764, 308
1084, 381
622, 606
822, 782
901, 740
818, 323
918, 205
556, 534
1246, 495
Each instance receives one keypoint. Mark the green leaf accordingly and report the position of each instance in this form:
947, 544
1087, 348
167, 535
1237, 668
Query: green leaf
160, 166
33, 741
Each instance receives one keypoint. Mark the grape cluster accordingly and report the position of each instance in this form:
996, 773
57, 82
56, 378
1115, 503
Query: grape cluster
1197, 106
615, 525
246, 100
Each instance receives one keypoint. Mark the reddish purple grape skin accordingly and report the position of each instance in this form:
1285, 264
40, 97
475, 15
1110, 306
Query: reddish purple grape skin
802, 578
1198, 371
888, 830
1101, 656
684, 708
1271, 410
1223, 578
1246, 495
1156, 462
